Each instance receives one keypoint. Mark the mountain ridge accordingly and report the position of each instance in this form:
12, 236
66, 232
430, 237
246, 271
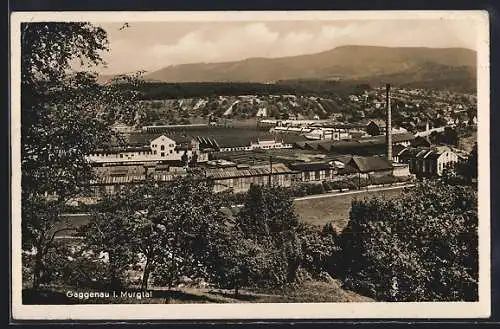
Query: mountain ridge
350, 62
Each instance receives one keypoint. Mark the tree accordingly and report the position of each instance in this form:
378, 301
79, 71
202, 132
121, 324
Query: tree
268, 218
187, 212
169, 229
319, 247
110, 232
194, 160
420, 247
65, 114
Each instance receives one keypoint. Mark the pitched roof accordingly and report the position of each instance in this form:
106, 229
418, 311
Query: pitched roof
378, 122
367, 164
397, 149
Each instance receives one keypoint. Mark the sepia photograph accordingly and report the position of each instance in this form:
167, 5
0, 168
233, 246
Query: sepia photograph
214, 165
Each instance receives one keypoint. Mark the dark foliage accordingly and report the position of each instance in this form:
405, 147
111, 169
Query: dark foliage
421, 247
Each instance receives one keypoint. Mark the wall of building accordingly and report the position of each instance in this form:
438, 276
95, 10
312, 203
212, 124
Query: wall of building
124, 156
317, 175
432, 165
401, 170
446, 159
242, 184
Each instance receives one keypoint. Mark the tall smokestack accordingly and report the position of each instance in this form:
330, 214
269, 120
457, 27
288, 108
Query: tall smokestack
388, 122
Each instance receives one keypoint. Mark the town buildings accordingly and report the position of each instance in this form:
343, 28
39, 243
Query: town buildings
428, 161
161, 148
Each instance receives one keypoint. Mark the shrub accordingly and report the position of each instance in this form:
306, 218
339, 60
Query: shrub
421, 247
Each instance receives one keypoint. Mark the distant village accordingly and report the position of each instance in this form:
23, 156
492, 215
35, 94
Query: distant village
282, 151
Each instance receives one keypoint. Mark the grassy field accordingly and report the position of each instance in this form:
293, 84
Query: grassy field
335, 209
307, 292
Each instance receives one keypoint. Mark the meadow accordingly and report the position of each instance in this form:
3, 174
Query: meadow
335, 209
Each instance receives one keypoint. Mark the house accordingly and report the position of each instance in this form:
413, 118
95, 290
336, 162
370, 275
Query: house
375, 166
376, 127
313, 171
428, 161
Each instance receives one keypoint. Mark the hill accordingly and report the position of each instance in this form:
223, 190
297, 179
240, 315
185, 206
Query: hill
406, 66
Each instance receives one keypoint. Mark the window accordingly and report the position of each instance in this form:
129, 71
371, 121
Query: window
317, 175
121, 155
162, 154
306, 175
162, 147
154, 152
170, 151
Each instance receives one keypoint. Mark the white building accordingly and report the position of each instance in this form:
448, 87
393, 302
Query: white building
162, 148
428, 161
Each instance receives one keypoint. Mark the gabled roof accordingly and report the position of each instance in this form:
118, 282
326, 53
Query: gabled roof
368, 164
420, 141
397, 149
378, 122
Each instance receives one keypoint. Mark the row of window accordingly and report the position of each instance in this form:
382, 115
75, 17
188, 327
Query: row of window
120, 155
163, 153
317, 175
162, 147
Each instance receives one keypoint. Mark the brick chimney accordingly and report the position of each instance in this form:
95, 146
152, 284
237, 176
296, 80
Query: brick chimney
388, 123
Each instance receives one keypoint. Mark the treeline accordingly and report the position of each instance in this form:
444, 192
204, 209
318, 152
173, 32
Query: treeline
419, 247
160, 90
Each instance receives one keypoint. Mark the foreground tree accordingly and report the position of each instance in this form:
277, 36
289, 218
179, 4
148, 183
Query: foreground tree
171, 227
267, 225
65, 114
420, 247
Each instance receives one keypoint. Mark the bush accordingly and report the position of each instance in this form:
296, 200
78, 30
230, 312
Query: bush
304, 189
420, 247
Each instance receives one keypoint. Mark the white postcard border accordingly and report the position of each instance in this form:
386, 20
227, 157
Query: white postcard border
378, 310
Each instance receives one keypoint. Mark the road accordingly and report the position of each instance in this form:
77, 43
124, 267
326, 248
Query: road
334, 194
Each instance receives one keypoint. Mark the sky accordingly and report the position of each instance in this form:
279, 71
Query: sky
151, 46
